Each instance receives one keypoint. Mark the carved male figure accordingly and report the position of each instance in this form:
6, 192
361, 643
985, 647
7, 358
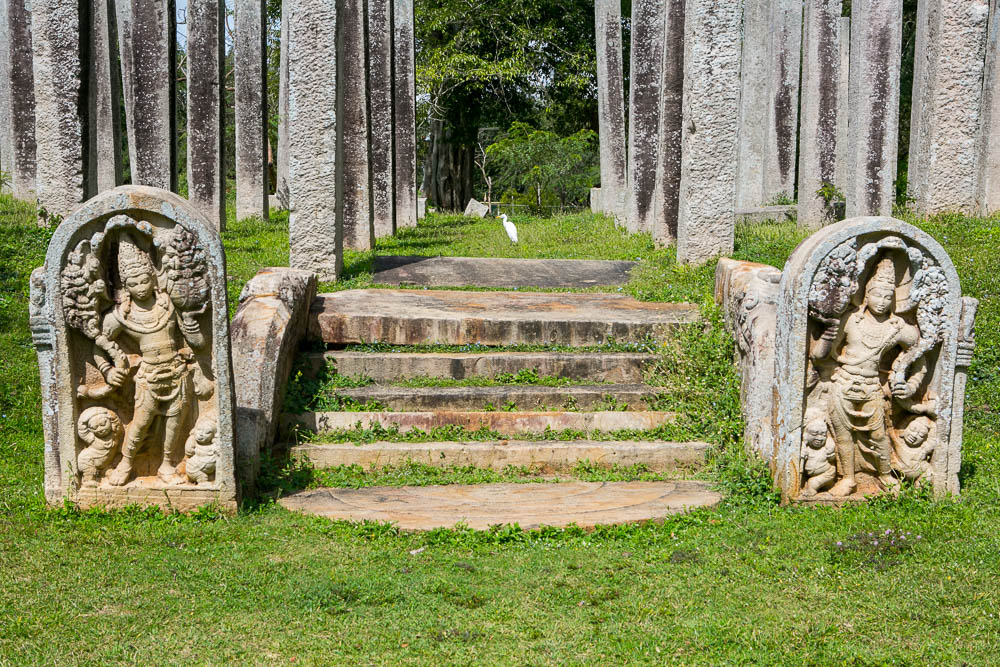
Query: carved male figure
819, 457
101, 430
857, 401
163, 382
914, 450
201, 452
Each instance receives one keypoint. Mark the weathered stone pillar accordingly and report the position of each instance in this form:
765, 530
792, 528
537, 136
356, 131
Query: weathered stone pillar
753, 113
206, 24
644, 113
706, 220
249, 53
404, 115
844, 106
147, 40
315, 237
820, 122
988, 186
944, 125
105, 91
17, 98
60, 122
611, 107
353, 179
668, 170
783, 99
281, 187
380, 31
875, 61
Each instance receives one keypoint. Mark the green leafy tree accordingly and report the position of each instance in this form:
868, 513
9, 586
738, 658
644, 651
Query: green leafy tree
543, 162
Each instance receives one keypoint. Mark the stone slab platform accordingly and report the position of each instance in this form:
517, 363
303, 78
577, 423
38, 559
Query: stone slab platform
586, 504
490, 272
620, 368
506, 423
525, 397
540, 456
408, 317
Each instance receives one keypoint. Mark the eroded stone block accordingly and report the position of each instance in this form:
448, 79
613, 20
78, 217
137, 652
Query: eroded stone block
129, 319
476, 209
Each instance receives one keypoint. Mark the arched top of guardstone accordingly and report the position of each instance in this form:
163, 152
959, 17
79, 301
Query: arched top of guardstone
822, 280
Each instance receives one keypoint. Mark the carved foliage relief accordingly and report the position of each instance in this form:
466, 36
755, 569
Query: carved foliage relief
878, 314
136, 302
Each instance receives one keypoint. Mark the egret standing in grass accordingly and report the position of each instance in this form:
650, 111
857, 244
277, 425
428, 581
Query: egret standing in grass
509, 228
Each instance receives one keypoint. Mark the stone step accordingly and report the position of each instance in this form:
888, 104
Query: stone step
524, 397
618, 367
541, 456
409, 317
496, 272
532, 505
506, 423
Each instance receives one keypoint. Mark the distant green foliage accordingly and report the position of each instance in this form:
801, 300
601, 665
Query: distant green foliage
543, 163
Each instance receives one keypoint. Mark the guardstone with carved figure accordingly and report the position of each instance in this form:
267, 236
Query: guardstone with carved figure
129, 320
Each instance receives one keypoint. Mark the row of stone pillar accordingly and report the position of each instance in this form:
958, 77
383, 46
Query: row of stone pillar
348, 121
735, 131
347, 147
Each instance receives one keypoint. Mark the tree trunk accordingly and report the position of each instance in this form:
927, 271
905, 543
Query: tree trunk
448, 172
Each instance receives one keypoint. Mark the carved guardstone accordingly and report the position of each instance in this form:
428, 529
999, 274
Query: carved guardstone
129, 319
872, 339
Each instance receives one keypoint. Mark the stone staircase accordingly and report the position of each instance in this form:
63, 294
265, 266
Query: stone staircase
550, 403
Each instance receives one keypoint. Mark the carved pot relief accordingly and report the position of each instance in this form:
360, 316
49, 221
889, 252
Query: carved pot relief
135, 295
880, 309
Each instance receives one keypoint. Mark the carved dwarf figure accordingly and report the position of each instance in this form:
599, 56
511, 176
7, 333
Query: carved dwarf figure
857, 402
201, 452
819, 457
101, 430
913, 449
163, 379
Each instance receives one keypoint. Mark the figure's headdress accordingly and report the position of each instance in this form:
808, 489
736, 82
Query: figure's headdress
132, 261
884, 275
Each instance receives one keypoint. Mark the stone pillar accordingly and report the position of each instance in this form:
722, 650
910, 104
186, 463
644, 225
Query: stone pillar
843, 105
875, 61
988, 186
611, 107
644, 113
147, 40
315, 237
281, 187
668, 169
820, 122
206, 24
783, 99
753, 113
105, 96
380, 31
944, 126
706, 219
249, 54
405, 115
354, 175
60, 122
17, 98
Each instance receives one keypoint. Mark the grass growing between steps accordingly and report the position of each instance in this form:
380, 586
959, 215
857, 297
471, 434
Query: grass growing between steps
750, 582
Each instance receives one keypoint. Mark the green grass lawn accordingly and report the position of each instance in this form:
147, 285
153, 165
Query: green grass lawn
749, 582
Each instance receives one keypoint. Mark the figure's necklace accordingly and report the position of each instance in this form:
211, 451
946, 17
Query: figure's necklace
148, 321
874, 334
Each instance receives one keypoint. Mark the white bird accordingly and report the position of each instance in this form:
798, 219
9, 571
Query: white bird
509, 228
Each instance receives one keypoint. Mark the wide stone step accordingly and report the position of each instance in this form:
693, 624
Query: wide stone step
541, 456
408, 317
505, 423
586, 504
530, 397
618, 367
495, 272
